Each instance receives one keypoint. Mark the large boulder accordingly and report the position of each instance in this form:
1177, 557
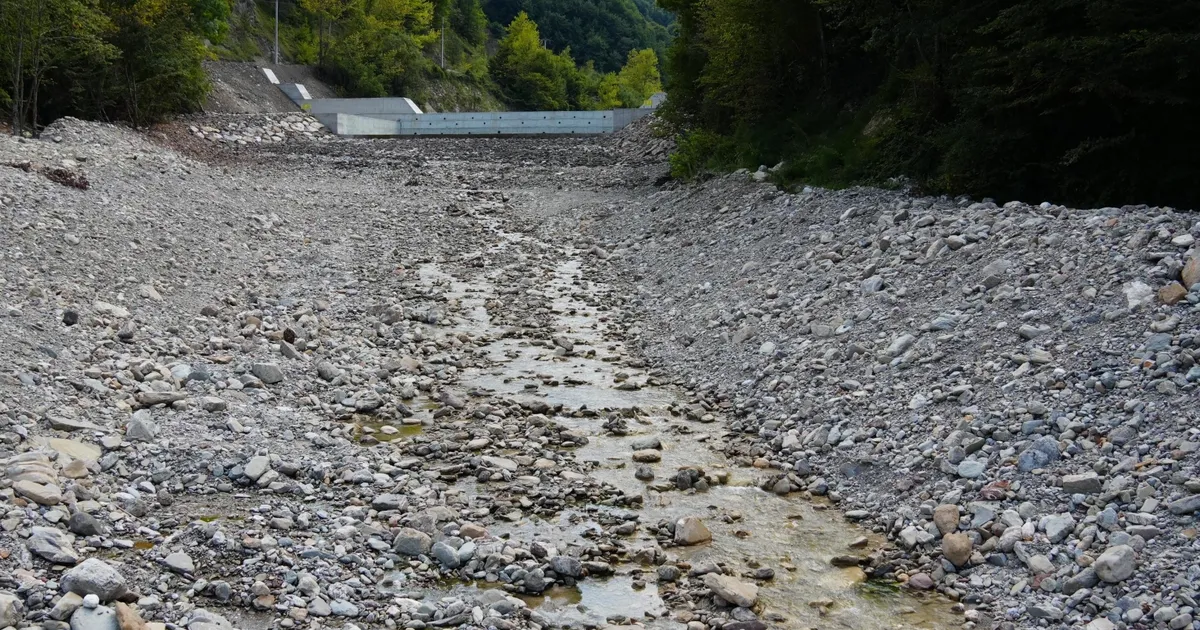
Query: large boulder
94, 576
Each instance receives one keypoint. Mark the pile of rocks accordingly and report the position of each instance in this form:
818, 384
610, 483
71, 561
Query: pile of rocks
1007, 391
243, 129
647, 138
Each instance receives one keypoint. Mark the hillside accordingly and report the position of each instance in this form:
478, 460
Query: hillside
599, 32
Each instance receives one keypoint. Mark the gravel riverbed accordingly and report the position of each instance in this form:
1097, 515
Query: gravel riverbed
253, 376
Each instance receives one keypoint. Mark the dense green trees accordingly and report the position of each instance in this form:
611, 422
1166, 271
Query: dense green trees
532, 77
137, 60
601, 31
140, 60
1086, 101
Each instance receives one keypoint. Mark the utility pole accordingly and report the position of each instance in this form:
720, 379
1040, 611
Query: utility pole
277, 32
443, 41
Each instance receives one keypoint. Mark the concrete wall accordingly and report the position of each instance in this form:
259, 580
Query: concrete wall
507, 123
351, 125
622, 118
482, 123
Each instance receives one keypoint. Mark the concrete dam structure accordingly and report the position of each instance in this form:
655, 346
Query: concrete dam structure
400, 117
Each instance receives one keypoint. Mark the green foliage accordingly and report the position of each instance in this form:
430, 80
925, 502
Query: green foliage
603, 31
136, 60
1080, 101
699, 152
639, 78
531, 76
381, 51
211, 18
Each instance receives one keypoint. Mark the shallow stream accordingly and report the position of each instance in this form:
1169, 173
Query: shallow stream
751, 528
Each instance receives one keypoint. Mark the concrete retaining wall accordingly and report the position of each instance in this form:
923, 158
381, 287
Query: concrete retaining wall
483, 123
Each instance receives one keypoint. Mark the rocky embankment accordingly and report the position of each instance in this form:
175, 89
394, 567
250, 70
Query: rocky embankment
1011, 393
511, 383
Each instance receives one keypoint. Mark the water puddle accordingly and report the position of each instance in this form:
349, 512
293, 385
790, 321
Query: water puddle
584, 366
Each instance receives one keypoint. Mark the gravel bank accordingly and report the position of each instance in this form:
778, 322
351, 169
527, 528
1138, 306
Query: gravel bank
1010, 393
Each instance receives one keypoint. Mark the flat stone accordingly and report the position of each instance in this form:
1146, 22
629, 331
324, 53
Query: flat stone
66, 606
71, 424
1190, 275
1086, 483
446, 554
180, 562
921, 582
71, 448
566, 566
1058, 526
150, 399
732, 590
128, 618
212, 404
646, 443
10, 609
971, 469
268, 373
98, 618
42, 494
500, 462
257, 467
647, 456
1172, 293
1186, 505
52, 544
84, 524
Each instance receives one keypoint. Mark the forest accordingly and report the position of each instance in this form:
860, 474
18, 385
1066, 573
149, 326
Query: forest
1076, 101
1073, 101
141, 61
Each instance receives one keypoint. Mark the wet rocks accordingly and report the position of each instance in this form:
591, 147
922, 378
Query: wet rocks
732, 590
647, 456
690, 530
566, 566
446, 554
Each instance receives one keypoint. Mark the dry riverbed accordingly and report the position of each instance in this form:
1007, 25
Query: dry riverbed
302, 382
